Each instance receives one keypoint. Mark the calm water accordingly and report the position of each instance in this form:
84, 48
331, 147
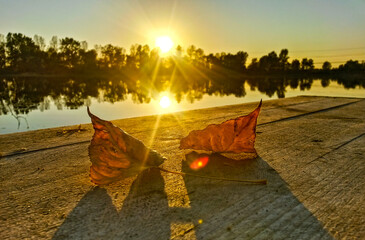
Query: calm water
37, 103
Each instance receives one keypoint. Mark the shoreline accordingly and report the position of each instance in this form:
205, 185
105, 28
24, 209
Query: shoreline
317, 73
75, 125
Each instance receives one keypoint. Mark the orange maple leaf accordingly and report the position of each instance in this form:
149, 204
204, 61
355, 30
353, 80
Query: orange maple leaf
115, 154
232, 136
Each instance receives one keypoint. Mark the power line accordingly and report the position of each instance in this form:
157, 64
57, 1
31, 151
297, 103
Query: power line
343, 55
330, 49
344, 61
314, 50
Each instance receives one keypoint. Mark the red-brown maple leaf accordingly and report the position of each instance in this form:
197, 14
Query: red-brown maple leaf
232, 136
115, 154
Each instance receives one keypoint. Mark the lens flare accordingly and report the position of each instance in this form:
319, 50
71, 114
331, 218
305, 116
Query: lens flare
199, 163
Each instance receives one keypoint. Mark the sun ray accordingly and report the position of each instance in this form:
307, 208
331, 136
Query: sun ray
153, 135
155, 71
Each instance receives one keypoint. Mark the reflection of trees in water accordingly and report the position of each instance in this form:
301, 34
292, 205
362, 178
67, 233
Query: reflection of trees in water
278, 86
21, 95
269, 86
351, 83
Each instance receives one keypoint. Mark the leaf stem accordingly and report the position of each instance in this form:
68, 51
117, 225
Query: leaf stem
260, 181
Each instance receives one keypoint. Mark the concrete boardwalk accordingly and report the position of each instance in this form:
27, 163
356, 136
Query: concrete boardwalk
311, 150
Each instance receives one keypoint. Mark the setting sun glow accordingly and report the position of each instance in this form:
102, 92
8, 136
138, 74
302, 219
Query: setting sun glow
165, 102
164, 43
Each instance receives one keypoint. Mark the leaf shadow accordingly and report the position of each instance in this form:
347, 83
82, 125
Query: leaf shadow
143, 214
218, 209
232, 210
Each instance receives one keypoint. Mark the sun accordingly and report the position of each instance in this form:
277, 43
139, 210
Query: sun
165, 102
164, 43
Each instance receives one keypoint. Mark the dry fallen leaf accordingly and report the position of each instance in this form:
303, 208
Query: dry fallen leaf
232, 136
115, 154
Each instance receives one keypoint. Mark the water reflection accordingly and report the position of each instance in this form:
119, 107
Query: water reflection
20, 95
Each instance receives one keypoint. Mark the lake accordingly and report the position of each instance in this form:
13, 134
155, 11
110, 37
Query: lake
31, 103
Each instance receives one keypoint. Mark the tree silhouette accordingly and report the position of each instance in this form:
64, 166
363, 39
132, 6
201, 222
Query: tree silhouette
199, 57
53, 63
191, 53
179, 51
352, 66
142, 55
54, 43
307, 64
295, 65
326, 66
112, 57
70, 52
310, 64
88, 61
40, 42
2, 52
269, 62
283, 59
83, 45
235, 62
21, 53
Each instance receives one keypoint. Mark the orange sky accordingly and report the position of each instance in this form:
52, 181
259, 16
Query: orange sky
330, 30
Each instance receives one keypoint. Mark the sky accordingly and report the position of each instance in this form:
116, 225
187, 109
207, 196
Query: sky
331, 30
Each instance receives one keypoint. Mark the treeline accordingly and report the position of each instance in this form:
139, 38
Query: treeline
22, 54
